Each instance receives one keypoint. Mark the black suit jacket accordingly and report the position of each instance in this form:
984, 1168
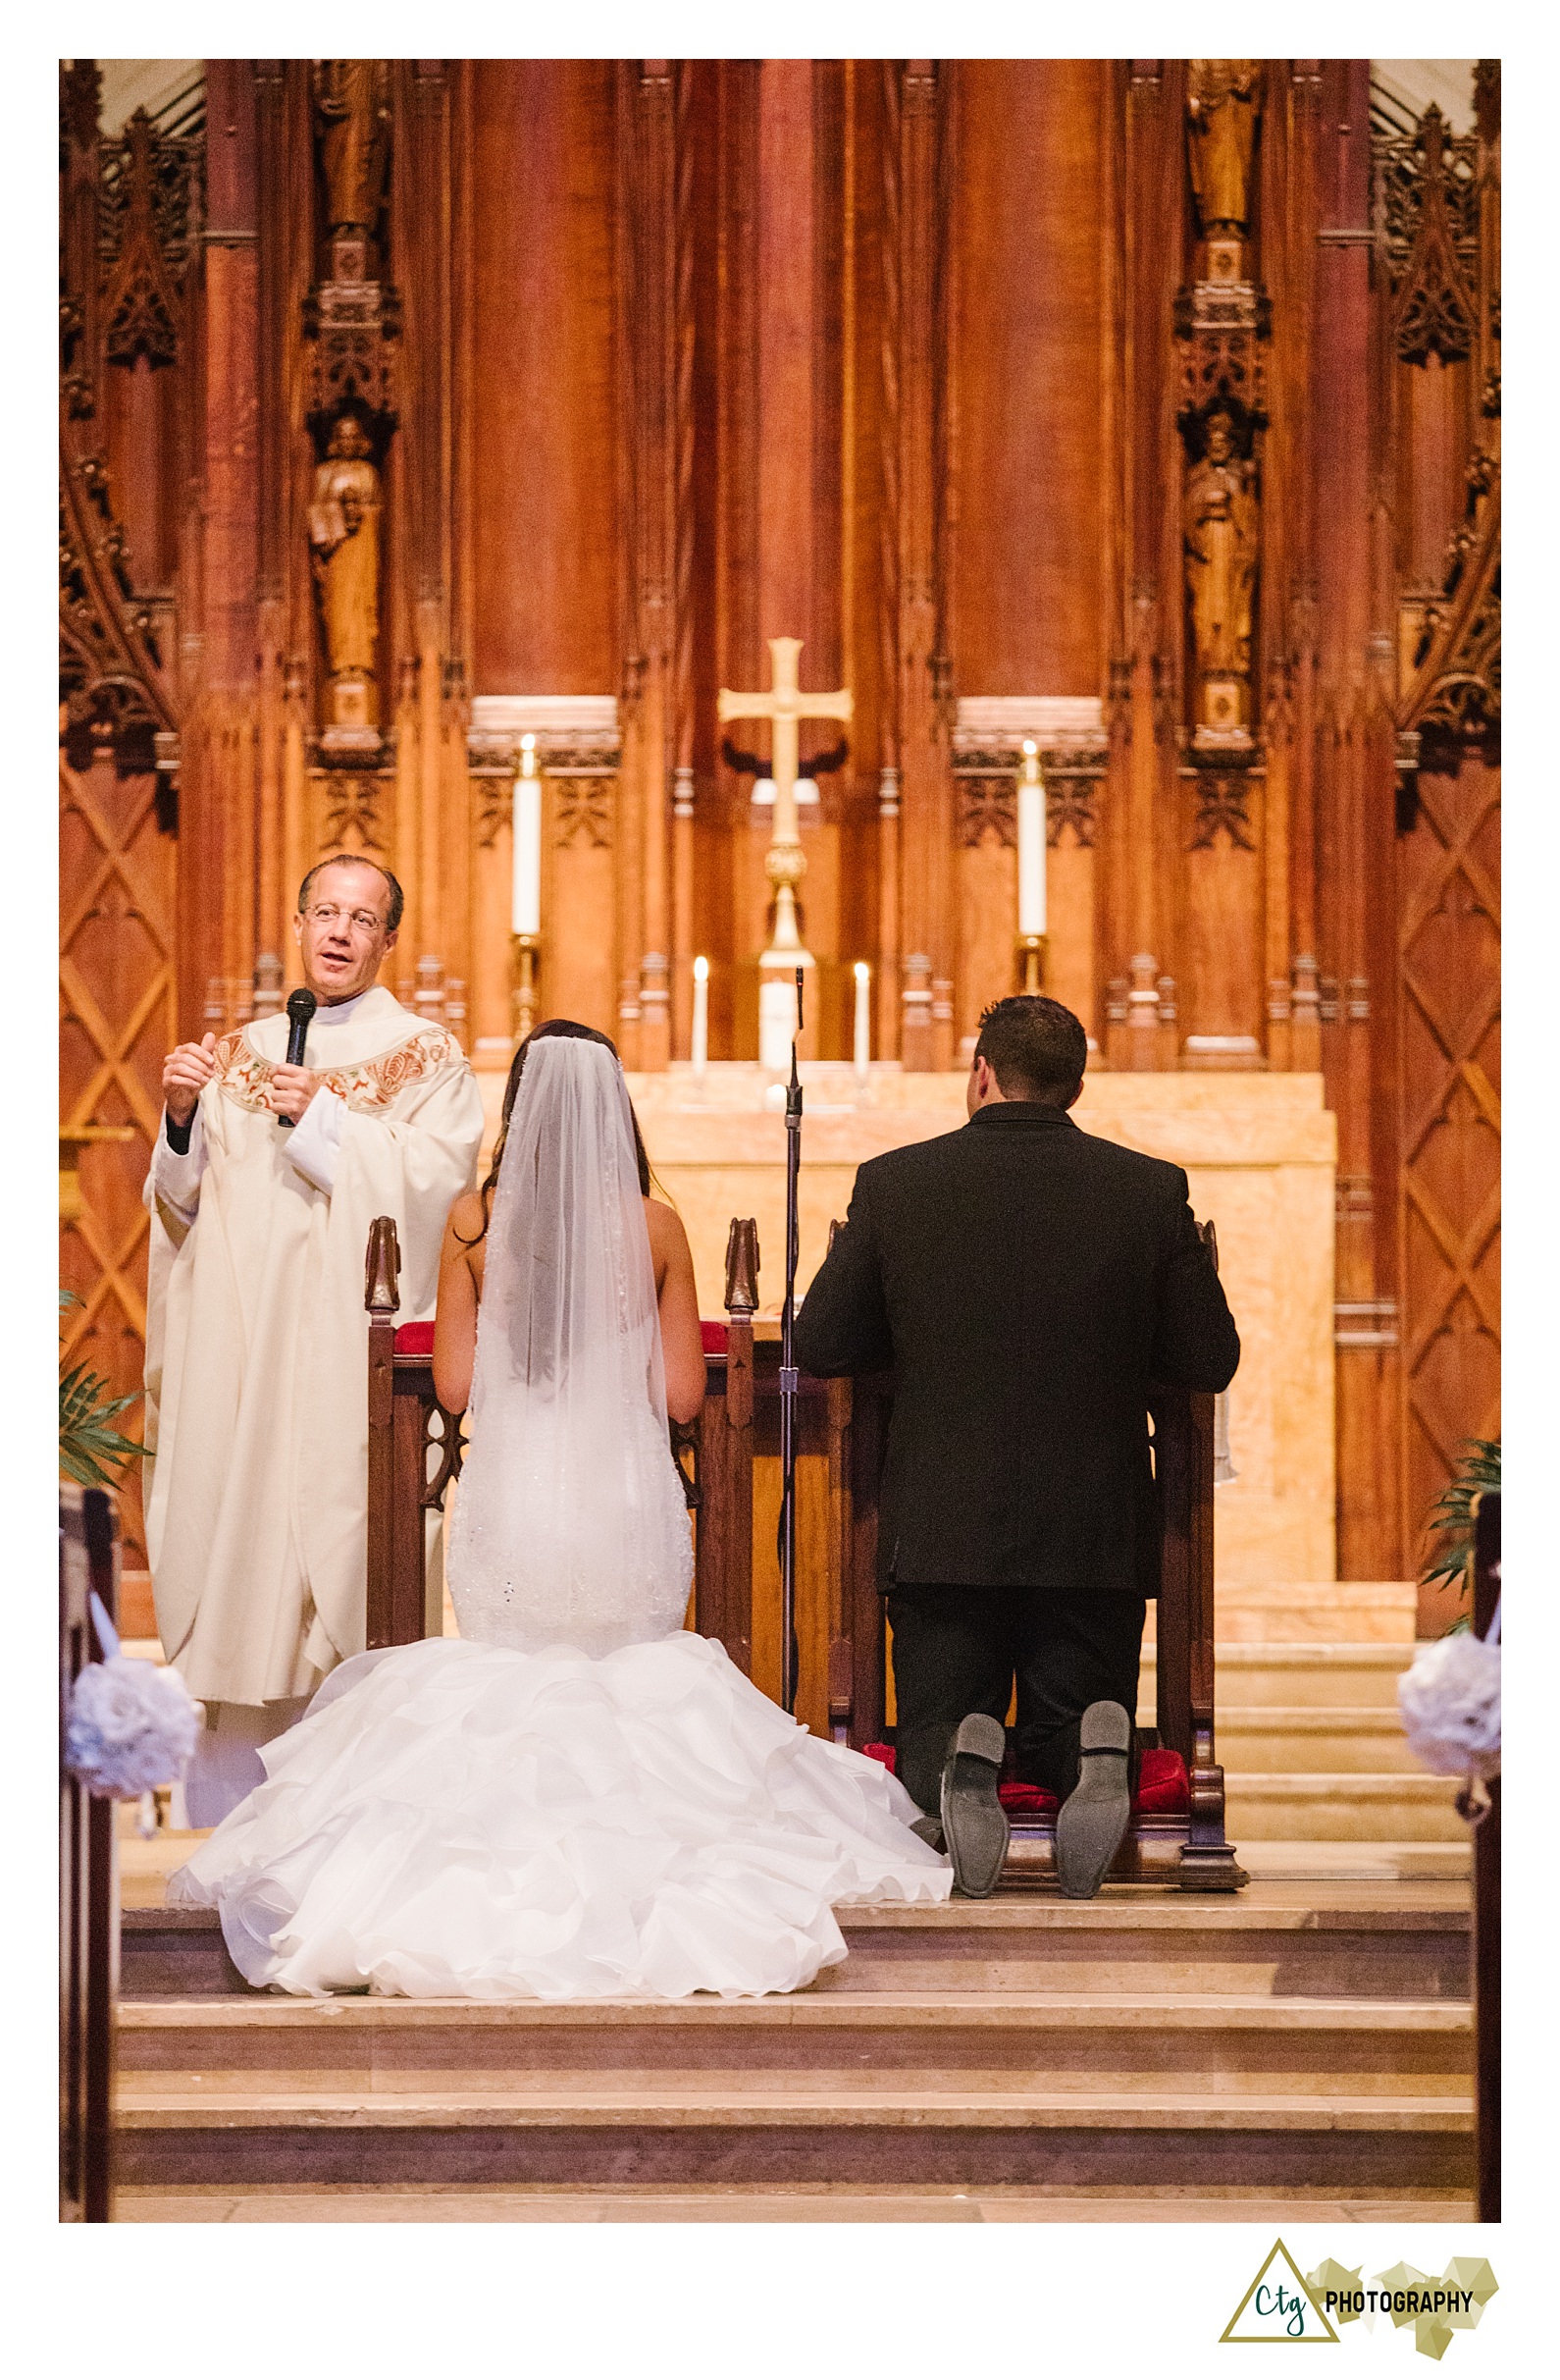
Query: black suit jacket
1026, 1282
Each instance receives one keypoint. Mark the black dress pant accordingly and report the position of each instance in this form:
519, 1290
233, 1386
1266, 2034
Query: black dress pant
960, 1649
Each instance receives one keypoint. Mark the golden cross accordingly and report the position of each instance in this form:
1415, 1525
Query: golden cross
784, 706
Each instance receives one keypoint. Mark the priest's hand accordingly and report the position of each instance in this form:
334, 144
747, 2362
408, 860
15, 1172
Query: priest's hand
291, 1089
187, 1071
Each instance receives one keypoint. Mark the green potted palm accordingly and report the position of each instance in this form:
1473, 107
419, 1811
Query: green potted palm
1451, 1526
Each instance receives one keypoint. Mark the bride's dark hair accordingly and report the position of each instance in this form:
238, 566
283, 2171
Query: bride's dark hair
558, 1029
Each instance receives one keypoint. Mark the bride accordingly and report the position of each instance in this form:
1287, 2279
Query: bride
576, 1798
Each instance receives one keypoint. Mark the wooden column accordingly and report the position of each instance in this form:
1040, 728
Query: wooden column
915, 124
274, 523
1023, 580
217, 888
786, 263
737, 653
1289, 595
407, 843
542, 342
288, 228
656, 309
893, 980
683, 721
1143, 785
463, 888
295, 845
1354, 763
286, 600
423, 221
790, 557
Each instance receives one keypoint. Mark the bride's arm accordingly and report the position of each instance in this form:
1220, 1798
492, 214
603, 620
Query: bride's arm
455, 1319
682, 1341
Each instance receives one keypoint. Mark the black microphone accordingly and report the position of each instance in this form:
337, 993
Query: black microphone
301, 1006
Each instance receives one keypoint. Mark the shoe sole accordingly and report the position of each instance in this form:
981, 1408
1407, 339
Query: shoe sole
975, 1823
1094, 1817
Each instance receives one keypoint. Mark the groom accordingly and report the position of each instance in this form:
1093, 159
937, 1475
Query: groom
1026, 1282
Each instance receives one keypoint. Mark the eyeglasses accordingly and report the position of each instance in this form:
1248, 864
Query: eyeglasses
363, 921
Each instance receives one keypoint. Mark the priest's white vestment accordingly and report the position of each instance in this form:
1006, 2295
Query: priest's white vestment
257, 1339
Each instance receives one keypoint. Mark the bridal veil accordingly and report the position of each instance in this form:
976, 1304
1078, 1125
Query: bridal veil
570, 1525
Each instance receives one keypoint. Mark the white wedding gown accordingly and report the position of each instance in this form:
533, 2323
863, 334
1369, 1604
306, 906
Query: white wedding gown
576, 1799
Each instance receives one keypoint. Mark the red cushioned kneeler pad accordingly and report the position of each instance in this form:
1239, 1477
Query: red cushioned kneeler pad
417, 1338
1161, 1784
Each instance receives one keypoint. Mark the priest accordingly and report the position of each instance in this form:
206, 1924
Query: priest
265, 1180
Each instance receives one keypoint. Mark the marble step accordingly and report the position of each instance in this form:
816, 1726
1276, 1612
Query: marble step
1287, 1938
1333, 1677
1282, 1939
1088, 2043
1345, 1806
757, 2202
1334, 1611
1303, 1738
1359, 1863
905, 2132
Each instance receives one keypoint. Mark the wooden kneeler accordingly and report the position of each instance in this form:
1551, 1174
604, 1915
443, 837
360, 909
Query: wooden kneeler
415, 1451
89, 1912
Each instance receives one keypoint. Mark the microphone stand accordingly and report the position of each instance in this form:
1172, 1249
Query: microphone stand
788, 1386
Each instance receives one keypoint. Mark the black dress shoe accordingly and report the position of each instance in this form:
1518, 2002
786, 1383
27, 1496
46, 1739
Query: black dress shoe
1093, 1819
930, 1830
975, 1823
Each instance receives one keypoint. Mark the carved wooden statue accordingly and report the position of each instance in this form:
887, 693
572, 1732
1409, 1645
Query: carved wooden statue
344, 531
1223, 101
352, 98
1220, 534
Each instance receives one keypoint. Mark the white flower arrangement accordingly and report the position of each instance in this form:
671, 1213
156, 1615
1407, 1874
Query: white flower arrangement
129, 1725
1450, 1702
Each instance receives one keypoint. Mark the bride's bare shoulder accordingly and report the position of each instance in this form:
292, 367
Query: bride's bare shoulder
665, 1225
466, 1217
670, 1254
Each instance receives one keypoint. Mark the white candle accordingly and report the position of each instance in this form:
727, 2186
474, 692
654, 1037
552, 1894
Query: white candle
864, 1017
701, 1046
1031, 845
526, 901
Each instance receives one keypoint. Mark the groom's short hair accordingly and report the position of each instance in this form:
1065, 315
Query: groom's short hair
1034, 1046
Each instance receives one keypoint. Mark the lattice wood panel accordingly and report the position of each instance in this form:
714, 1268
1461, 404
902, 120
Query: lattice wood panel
117, 1021
1449, 939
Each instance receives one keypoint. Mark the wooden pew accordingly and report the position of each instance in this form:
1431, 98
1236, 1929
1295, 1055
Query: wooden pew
89, 1557
414, 1451
730, 1458
1486, 1892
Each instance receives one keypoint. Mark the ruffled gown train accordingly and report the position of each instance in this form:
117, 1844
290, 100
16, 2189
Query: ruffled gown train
456, 1819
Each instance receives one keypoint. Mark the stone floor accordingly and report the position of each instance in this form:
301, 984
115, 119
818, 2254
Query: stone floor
739, 2205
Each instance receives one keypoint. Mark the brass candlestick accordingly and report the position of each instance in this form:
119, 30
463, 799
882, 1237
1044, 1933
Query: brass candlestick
523, 952
1032, 951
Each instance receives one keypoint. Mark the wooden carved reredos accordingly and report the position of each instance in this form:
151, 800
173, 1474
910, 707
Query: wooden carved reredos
1147, 409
